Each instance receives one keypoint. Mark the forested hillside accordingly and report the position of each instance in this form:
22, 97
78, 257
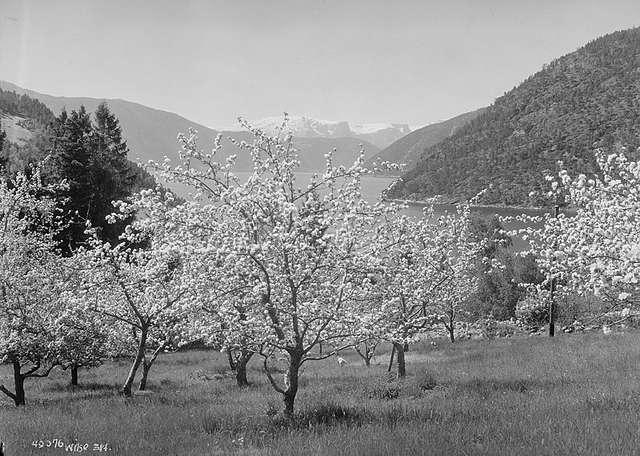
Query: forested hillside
585, 100
25, 106
408, 149
27, 126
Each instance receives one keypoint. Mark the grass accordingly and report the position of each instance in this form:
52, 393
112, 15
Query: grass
575, 394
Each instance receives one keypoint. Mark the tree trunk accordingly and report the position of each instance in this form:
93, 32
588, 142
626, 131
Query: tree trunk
552, 310
18, 384
406, 347
393, 352
18, 381
402, 372
292, 388
241, 368
289, 400
74, 375
552, 303
142, 345
367, 354
232, 363
146, 365
145, 373
452, 335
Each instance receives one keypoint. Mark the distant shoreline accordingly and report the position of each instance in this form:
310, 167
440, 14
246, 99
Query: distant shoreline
473, 206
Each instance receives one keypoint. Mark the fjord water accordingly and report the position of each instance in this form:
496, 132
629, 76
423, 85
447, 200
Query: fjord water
373, 186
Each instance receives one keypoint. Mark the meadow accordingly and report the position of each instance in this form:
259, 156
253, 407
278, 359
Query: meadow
574, 394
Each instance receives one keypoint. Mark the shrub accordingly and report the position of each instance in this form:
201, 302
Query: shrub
271, 408
385, 388
532, 312
259, 429
488, 327
330, 414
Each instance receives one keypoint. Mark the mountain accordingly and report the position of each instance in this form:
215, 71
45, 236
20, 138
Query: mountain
379, 134
584, 100
30, 131
151, 133
408, 149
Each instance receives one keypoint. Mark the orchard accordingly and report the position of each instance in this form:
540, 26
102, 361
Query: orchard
274, 268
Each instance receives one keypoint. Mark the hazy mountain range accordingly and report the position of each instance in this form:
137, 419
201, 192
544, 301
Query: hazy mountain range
151, 133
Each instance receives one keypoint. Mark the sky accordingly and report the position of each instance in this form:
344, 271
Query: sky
405, 61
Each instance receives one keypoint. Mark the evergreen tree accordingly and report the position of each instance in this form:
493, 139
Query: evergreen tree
114, 175
108, 135
92, 158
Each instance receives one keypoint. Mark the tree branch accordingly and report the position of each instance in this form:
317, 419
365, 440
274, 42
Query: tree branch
7, 392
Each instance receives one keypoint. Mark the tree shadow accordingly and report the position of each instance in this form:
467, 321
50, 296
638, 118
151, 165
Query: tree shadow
489, 386
82, 387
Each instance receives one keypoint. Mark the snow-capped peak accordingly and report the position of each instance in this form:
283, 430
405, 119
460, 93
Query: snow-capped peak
380, 134
305, 126
369, 128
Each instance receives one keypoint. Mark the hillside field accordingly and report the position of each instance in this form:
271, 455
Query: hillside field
575, 394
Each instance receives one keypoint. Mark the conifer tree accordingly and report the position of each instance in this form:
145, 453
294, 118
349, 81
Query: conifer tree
72, 162
114, 175
92, 158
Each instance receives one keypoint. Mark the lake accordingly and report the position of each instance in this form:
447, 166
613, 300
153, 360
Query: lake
372, 187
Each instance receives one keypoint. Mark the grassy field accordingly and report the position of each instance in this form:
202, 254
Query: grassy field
576, 394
